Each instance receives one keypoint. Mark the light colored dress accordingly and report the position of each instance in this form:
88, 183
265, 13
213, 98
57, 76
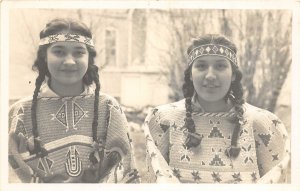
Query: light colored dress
65, 130
264, 143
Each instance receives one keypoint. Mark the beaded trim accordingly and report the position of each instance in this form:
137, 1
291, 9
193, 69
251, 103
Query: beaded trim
67, 38
212, 49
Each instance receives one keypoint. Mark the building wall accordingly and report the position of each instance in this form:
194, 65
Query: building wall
132, 80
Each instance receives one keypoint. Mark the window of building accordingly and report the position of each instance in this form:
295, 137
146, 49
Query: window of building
110, 47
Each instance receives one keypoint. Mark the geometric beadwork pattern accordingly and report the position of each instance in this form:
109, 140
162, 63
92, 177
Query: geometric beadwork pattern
49, 162
61, 116
217, 161
196, 175
41, 166
212, 49
20, 124
216, 177
275, 157
73, 164
20, 111
176, 172
185, 154
45, 164
215, 132
275, 122
265, 138
20, 128
237, 177
248, 157
164, 125
66, 38
78, 113
254, 178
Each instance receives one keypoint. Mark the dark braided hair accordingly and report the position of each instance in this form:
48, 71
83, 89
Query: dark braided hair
235, 94
40, 65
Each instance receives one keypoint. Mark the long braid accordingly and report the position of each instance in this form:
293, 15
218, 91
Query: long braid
96, 104
193, 139
236, 97
91, 76
37, 148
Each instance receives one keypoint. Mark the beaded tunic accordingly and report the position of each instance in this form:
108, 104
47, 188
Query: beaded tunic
262, 138
65, 130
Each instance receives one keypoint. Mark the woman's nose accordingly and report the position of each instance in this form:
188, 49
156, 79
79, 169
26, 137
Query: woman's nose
69, 60
210, 75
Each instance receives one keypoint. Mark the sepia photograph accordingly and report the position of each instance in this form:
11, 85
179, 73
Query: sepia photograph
149, 93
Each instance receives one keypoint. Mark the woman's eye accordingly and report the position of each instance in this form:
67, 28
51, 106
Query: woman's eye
221, 66
79, 53
59, 52
201, 66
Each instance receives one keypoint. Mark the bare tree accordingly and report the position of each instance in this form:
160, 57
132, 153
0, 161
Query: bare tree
264, 55
263, 38
183, 25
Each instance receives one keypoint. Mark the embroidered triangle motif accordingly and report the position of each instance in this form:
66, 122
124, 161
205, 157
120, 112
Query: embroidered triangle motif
41, 166
165, 125
61, 115
217, 161
215, 132
265, 138
20, 111
78, 113
49, 163
20, 128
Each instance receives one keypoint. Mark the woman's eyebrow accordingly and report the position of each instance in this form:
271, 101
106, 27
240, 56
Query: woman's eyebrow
58, 46
221, 60
80, 47
202, 61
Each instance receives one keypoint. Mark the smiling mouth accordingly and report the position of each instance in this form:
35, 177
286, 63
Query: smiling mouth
210, 86
68, 70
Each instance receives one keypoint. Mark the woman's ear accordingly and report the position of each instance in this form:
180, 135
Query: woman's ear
191, 75
233, 77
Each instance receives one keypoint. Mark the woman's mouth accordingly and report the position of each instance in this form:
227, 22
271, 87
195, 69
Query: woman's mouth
210, 86
69, 71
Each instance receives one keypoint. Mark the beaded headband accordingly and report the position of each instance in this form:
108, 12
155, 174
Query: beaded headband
66, 38
212, 49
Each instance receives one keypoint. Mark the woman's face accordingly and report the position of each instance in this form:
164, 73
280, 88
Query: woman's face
212, 77
67, 62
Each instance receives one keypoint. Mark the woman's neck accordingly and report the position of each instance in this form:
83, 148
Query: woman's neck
66, 90
216, 106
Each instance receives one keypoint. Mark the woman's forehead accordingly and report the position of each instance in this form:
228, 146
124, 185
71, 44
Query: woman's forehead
73, 45
211, 58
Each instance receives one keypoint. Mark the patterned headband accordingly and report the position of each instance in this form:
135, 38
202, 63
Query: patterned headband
212, 49
66, 38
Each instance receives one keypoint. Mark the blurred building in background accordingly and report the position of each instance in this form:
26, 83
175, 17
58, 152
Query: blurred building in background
129, 68
141, 52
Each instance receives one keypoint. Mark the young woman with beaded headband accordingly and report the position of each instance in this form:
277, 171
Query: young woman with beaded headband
68, 131
212, 135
